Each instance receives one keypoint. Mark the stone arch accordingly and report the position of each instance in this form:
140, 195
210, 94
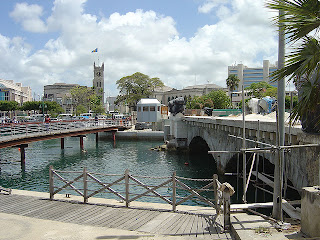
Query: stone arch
198, 145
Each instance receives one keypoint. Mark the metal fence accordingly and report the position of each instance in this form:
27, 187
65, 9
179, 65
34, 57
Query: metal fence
11, 130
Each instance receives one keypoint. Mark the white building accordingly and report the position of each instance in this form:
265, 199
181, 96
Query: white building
10, 91
148, 110
248, 75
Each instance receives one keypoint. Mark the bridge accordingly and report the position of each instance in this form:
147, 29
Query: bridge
223, 137
21, 134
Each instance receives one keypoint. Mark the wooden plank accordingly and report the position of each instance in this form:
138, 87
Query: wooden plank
172, 224
194, 228
143, 219
179, 224
264, 179
185, 227
156, 221
290, 210
159, 222
251, 205
101, 213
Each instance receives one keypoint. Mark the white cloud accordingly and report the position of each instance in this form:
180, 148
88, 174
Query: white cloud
141, 41
29, 17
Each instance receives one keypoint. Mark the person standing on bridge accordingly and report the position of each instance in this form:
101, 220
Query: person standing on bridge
47, 121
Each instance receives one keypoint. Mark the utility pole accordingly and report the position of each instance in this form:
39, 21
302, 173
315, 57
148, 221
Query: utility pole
279, 161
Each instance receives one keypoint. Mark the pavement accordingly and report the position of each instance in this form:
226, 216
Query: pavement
15, 227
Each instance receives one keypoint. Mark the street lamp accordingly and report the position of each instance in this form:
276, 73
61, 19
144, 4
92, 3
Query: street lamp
42, 106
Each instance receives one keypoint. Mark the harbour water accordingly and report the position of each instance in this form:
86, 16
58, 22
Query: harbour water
103, 157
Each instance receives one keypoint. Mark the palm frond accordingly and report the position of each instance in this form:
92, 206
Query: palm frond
299, 18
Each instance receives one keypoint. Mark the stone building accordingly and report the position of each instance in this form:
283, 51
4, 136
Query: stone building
98, 80
10, 91
164, 95
60, 93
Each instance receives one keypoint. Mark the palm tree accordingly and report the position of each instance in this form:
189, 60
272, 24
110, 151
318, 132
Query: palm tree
301, 24
232, 83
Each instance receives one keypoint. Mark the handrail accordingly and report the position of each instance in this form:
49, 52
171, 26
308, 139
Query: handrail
17, 130
222, 192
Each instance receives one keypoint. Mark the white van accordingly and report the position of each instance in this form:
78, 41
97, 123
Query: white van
65, 116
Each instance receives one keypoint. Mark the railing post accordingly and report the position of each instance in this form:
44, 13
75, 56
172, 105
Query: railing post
215, 190
85, 186
226, 208
51, 186
174, 192
126, 179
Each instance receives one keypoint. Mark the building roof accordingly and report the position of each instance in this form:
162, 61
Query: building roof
146, 101
163, 89
211, 86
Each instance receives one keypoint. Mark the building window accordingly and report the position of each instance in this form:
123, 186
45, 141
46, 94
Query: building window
139, 109
145, 109
152, 108
158, 108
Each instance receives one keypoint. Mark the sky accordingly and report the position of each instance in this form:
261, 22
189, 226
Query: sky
182, 42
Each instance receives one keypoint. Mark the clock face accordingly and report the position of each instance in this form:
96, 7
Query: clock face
98, 74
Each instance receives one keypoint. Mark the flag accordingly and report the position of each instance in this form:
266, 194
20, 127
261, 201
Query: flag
95, 50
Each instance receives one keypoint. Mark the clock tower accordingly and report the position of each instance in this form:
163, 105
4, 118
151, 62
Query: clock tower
98, 80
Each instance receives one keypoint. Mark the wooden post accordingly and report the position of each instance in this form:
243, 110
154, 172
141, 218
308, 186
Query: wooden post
51, 186
215, 190
226, 209
174, 192
85, 186
114, 138
81, 142
126, 179
23, 155
97, 137
62, 143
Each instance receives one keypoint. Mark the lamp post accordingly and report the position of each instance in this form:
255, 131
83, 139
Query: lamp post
42, 106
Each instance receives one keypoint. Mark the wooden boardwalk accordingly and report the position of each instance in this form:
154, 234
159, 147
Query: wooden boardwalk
190, 226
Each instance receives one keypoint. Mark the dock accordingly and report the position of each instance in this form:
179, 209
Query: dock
149, 222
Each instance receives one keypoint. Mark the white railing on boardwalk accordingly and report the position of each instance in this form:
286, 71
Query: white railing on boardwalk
128, 188
13, 130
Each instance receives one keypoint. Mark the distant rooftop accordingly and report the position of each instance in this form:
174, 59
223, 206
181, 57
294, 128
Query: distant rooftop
148, 101
211, 86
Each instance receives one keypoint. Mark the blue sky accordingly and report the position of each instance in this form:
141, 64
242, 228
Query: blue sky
43, 42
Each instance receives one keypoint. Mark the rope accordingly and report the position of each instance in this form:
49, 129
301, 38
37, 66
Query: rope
194, 179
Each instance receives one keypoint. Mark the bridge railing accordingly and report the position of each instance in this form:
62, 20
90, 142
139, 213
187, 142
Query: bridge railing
31, 128
127, 188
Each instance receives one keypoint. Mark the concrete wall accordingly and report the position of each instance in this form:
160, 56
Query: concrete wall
310, 211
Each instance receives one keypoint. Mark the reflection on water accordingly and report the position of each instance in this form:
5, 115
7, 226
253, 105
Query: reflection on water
99, 158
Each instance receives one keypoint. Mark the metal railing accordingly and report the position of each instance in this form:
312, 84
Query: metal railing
172, 190
12, 130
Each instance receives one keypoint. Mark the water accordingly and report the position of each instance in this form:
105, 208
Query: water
104, 158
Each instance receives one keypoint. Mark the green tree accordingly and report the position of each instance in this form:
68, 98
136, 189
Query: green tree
136, 86
262, 89
196, 102
85, 99
301, 23
220, 99
53, 108
8, 106
232, 82
31, 105
288, 101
